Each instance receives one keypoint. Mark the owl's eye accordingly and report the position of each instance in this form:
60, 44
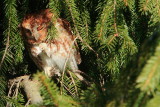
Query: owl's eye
27, 30
41, 27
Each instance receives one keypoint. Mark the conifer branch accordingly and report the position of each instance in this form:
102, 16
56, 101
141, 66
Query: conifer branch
87, 29
53, 5
103, 22
104, 19
50, 93
157, 6
150, 76
5, 52
9, 6
80, 38
68, 89
69, 3
73, 83
144, 5
126, 2
115, 16
115, 24
73, 18
111, 39
43, 79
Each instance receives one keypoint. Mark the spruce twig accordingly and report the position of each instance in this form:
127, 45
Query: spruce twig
5, 52
115, 24
73, 83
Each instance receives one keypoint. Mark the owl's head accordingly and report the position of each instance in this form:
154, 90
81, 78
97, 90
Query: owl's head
34, 26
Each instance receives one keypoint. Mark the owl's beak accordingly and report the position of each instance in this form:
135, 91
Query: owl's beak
36, 29
35, 32
37, 36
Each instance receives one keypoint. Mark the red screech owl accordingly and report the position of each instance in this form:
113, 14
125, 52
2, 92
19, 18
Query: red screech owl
50, 56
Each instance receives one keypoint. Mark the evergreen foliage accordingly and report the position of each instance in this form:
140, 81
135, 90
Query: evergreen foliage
149, 78
119, 45
51, 93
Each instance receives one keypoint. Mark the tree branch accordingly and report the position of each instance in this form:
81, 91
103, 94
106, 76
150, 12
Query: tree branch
5, 52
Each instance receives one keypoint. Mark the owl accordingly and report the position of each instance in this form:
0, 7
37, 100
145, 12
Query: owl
54, 55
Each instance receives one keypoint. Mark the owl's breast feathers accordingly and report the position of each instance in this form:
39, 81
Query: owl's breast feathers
49, 55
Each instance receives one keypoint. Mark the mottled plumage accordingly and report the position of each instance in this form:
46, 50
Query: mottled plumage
52, 55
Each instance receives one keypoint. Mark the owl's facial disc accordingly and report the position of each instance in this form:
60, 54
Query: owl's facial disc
35, 32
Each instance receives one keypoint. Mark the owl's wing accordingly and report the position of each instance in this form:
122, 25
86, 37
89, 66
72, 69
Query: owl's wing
66, 25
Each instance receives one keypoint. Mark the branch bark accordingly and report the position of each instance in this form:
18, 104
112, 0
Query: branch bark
31, 88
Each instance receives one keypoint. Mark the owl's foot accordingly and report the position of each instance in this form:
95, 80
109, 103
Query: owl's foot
52, 71
81, 78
